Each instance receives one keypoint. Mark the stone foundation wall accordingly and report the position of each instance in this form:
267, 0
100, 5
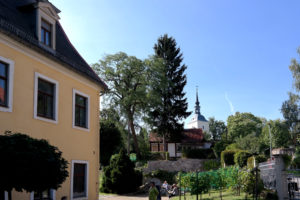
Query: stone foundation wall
185, 165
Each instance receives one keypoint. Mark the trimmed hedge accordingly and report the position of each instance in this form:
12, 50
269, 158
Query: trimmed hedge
258, 159
198, 153
241, 157
227, 157
160, 155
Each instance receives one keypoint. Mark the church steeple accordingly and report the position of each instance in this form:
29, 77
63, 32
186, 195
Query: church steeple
197, 106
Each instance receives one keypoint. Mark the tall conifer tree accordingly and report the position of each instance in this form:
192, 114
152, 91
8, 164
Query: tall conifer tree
169, 105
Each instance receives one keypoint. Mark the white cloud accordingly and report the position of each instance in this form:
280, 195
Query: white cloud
230, 103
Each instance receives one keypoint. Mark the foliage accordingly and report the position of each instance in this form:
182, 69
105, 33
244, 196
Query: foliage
24, 161
241, 157
280, 136
219, 147
250, 143
258, 159
143, 141
126, 78
296, 162
290, 108
287, 159
248, 182
163, 175
119, 176
217, 128
211, 165
242, 124
233, 146
167, 102
227, 157
198, 153
110, 141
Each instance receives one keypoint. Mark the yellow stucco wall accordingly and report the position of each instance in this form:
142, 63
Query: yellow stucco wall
75, 144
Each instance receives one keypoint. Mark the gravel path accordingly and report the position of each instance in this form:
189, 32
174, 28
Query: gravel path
117, 197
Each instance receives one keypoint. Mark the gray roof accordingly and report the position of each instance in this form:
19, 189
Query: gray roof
17, 20
201, 118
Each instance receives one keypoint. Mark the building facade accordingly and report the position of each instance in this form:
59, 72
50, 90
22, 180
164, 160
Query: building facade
49, 92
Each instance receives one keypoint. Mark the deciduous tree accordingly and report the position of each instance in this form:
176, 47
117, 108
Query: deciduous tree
126, 79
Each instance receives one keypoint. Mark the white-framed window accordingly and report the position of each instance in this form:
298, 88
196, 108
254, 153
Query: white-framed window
46, 29
81, 110
47, 194
6, 84
79, 180
45, 98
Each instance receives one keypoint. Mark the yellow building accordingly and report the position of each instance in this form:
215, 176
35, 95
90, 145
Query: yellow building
48, 91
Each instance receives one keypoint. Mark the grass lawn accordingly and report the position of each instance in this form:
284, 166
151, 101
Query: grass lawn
215, 195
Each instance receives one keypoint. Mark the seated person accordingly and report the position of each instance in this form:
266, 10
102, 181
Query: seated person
173, 191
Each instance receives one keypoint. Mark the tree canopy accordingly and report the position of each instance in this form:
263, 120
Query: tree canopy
168, 80
30, 164
242, 124
217, 128
126, 78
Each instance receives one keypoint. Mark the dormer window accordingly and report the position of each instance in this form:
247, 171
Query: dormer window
47, 17
46, 33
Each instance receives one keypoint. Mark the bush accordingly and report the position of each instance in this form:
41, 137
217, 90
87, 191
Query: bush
241, 157
219, 147
296, 162
227, 157
198, 153
163, 175
119, 176
258, 159
159, 155
211, 165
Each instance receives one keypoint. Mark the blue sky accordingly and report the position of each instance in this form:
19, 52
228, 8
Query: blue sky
237, 52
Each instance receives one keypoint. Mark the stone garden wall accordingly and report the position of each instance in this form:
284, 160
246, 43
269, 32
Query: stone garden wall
186, 165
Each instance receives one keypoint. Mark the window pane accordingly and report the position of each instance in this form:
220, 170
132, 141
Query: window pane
79, 180
46, 87
47, 38
80, 100
46, 25
49, 107
3, 92
45, 106
43, 35
3, 69
83, 117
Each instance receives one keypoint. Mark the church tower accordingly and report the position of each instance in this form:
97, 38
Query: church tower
198, 120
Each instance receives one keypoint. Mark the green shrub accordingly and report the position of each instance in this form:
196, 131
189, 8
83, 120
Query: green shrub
119, 176
162, 175
219, 147
296, 162
198, 153
232, 146
286, 160
258, 159
211, 165
227, 157
241, 157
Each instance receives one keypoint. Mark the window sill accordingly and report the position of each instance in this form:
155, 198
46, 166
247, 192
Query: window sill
81, 128
46, 119
5, 109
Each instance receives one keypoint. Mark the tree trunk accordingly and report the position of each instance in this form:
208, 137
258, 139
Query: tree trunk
128, 140
136, 146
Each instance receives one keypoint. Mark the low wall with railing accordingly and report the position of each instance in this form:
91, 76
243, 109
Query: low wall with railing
185, 165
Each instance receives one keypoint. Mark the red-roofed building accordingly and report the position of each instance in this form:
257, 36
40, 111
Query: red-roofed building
191, 138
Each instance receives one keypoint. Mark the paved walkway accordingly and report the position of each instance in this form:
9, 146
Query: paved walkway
118, 197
